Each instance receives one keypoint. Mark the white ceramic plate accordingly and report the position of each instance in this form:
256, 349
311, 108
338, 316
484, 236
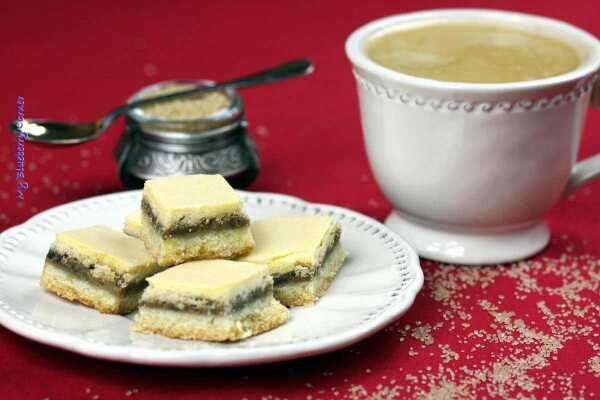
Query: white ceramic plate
377, 285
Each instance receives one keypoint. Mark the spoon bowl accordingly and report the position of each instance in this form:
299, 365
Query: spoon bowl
57, 132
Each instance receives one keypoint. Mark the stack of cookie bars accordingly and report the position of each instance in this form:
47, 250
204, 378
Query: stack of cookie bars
195, 265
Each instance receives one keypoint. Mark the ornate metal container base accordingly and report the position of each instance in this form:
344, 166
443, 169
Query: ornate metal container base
238, 163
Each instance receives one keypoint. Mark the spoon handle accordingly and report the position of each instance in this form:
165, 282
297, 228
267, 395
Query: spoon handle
274, 74
277, 73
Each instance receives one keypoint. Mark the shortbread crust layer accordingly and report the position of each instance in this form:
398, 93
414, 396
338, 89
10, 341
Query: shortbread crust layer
209, 244
80, 289
98, 267
306, 291
300, 272
215, 300
299, 291
255, 318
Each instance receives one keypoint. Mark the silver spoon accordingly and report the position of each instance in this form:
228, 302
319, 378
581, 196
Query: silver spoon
59, 132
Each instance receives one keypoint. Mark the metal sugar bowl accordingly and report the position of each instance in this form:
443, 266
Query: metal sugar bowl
187, 138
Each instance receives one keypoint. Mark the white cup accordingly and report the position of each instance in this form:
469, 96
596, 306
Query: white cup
471, 168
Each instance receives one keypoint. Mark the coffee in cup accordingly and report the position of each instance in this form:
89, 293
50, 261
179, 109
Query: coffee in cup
468, 52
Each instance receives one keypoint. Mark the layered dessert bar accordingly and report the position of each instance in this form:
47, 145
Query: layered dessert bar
133, 224
304, 254
193, 217
98, 267
214, 300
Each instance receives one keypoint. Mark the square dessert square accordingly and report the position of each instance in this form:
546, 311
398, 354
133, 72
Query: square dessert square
304, 254
98, 267
133, 224
214, 300
193, 217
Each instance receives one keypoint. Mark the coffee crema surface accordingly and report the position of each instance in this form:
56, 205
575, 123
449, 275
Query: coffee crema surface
461, 52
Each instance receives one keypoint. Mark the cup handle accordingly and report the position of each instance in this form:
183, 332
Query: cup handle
587, 170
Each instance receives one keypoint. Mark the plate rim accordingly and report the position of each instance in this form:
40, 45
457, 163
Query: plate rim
220, 357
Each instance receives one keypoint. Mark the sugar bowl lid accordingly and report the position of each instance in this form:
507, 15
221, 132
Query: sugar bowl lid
187, 120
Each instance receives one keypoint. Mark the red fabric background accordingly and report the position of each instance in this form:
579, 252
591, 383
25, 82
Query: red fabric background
526, 330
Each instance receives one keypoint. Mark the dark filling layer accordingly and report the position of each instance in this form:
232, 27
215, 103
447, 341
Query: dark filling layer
206, 306
296, 276
228, 221
76, 266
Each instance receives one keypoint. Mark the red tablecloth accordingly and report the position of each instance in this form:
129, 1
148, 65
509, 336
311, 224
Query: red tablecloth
521, 331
